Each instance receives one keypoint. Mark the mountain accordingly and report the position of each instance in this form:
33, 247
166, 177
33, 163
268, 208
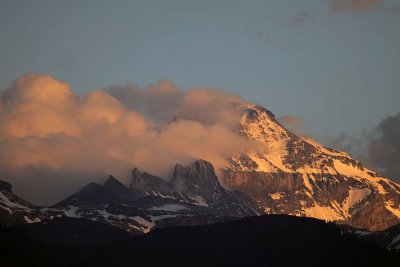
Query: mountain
193, 196
289, 174
294, 175
73, 232
273, 240
388, 238
14, 210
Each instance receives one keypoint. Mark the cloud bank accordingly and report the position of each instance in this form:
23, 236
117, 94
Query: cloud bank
293, 123
377, 148
54, 141
384, 151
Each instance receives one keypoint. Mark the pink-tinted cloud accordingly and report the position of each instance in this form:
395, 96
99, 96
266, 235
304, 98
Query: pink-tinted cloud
52, 138
357, 5
293, 123
384, 150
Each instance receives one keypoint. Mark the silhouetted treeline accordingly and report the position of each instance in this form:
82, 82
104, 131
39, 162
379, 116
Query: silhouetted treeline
276, 240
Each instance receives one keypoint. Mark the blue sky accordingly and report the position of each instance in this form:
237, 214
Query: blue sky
334, 63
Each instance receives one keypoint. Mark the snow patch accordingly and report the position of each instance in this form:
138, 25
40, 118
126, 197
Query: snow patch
161, 217
34, 220
145, 225
72, 212
322, 212
277, 152
394, 241
277, 195
106, 215
362, 233
389, 205
169, 207
355, 196
6, 208
199, 201
324, 149
263, 164
6, 201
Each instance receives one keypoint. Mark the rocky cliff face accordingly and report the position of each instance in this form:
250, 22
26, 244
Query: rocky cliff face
296, 176
14, 210
287, 175
194, 196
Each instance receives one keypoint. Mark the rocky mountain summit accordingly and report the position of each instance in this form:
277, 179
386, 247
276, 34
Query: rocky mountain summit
194, 196
297, 176
14, 210
289, 174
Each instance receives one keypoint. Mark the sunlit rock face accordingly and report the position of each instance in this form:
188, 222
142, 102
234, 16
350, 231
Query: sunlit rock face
297, 176
286, 174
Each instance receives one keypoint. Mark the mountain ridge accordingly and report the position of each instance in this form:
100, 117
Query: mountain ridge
289, 175
300, 177
193, 196
261, 240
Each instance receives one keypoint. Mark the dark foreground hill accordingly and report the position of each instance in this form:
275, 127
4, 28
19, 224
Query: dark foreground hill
275, 240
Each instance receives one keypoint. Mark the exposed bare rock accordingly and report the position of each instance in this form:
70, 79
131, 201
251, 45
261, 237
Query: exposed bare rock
300, 177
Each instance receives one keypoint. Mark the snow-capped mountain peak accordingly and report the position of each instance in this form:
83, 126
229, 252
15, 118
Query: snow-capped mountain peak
288, 174
298, 176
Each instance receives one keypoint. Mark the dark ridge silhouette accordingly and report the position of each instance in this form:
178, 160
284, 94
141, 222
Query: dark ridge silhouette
74, 232
274, 240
